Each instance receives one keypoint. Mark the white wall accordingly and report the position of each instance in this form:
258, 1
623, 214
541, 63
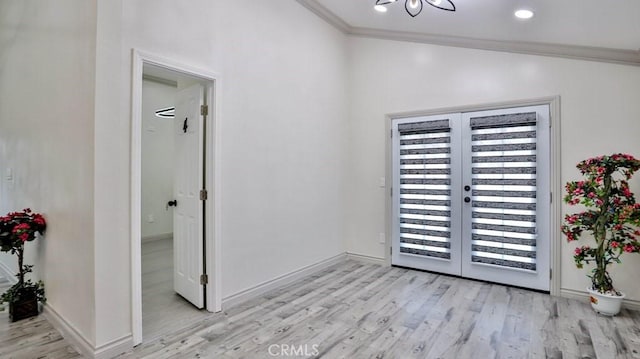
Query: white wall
284, 127
284, 122
157, 159
600, 114
47, 64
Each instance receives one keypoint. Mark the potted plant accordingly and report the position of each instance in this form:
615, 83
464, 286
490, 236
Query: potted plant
17, 228
611, 216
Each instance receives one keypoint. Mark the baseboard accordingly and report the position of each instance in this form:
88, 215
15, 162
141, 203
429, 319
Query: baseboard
584, 296
80, 343
114, 348
68, 331
366, 259
157, 237
280, 281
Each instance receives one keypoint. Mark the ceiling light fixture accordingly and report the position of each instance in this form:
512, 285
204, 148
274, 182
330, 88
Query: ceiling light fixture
524, 14
380, 8
167, 112
414, 7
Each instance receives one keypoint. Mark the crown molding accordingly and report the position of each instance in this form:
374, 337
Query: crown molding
326, 15
600, 54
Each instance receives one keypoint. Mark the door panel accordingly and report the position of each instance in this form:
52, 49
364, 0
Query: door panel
426, 198
471, 195
505, 225
188, 233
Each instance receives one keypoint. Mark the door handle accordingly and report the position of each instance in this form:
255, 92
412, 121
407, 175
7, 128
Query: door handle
173, 203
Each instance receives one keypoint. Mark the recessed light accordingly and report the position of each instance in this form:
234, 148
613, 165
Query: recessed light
524, 14
436, 2
380, 8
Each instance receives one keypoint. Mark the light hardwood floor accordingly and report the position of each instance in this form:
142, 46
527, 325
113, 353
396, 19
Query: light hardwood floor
356, 310
163, 311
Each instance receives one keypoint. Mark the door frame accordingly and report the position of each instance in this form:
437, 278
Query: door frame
555, 180
212, 215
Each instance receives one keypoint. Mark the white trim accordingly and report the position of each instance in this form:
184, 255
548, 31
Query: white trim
367, 259
114, 348
588, 53
68, 331
280, 281
157, 237
584, 297
555, 178
213, 237
80, 343
555, 184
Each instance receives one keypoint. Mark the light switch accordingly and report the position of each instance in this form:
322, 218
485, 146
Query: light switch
9, 175
383, 182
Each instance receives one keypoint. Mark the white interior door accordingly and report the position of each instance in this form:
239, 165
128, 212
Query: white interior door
471, 195
187, 218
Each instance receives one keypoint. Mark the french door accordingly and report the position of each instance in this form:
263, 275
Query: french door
471, 195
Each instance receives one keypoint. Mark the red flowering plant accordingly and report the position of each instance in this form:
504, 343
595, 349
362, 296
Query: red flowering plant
17, 228
612, 215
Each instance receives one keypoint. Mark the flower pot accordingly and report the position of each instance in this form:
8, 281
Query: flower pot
605, 304
25, 307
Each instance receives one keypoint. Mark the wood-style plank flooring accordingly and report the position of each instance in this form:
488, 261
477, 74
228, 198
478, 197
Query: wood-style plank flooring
357, 310
163, 311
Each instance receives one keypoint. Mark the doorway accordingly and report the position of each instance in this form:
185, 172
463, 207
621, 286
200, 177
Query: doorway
175, 265
473, 195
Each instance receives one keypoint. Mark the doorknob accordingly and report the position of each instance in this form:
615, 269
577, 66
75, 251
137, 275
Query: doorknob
467, 188
467, 200
173, 203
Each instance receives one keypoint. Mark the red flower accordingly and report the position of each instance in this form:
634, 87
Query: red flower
628, 248
24, 236
614, 244
21, 227
578, 251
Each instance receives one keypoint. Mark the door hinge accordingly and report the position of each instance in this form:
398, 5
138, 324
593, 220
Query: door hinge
390, 191
391, 133
550, 273
204, 110
551, 197
204, 279
203, 194
391, 250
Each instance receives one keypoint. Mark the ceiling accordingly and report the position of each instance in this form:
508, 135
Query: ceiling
592, 29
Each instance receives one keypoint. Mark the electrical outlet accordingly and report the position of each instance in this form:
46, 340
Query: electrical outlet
381, 238
150, 218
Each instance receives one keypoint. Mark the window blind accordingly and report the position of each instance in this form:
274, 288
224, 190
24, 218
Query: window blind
425, 188
503, 191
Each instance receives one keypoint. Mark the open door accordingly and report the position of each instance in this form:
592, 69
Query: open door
188, 236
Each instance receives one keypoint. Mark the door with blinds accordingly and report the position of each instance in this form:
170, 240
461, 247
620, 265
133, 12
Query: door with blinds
471, 195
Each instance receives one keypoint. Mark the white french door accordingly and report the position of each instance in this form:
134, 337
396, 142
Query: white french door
471, 195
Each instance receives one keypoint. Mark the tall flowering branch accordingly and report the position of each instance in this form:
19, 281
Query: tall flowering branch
612, 215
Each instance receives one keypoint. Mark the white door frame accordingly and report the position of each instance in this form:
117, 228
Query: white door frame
213, 185
555, 175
